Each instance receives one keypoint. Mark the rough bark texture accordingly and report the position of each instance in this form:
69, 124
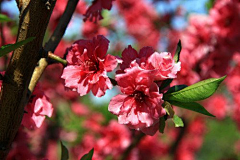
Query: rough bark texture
34, 18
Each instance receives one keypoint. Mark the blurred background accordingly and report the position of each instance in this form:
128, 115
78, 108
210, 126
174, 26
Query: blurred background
210, 34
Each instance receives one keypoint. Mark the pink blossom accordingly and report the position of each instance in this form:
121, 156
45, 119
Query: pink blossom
225, 18
79, 109
152, 147
200, 35
130, 54
91, 30
217, 105
142, 20
93, 13
164, 65
140, 104
114, 140
20, 148
88, 65
37, 108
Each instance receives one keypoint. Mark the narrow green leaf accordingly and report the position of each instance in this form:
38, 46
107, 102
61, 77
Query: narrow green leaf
88, 156
193, 106
10, 47
178, 121
4, 18
176, 88
178, 51
161, 125
165, 83
168, 107
195, 92
64, 155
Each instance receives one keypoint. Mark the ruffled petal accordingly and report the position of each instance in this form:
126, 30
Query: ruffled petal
116, 103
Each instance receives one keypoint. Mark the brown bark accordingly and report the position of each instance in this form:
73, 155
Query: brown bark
33, 23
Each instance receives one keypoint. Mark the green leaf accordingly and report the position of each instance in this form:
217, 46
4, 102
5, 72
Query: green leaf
165, 83
10, 47
177, 121
161, 125
193, 106
176, 88
195, 92
64, 155
88, 156
4, 18
209, 4
178, 51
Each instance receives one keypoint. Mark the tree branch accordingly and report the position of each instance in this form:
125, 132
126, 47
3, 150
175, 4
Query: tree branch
53, 42
58, 33
33, 22
57, 59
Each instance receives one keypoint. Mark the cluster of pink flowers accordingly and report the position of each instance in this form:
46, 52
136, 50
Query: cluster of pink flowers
112, 140
140, 106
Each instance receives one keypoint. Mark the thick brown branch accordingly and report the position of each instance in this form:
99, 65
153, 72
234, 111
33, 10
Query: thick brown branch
33, 23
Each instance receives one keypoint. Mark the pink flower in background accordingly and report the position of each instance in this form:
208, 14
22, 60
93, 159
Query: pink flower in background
90, 30
37, 108
192, 140
199, 33
115, 138
79, 109
93, 13
88, 65
217, 105
140, 105
19, 148
225, 18
141, 20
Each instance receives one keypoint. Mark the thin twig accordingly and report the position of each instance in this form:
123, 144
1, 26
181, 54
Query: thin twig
113, 81
57, 58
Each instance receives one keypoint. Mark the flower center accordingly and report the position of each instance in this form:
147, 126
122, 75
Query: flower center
139, 96
91, 66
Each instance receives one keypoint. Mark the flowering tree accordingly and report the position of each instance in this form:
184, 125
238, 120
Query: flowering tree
45, 81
